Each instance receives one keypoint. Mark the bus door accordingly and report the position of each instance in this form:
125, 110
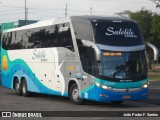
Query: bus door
88, 61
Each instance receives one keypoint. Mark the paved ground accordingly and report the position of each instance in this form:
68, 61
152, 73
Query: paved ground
11, 102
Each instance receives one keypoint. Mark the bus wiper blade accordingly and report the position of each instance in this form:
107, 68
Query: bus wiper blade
120, 68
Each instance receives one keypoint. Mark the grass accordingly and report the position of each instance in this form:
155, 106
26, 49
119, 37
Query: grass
154, 73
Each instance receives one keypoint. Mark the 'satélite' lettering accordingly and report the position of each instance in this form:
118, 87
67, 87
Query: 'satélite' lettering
125, 32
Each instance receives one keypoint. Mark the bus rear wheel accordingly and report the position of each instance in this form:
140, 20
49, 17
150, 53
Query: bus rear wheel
74, 95
24, 88
17, 87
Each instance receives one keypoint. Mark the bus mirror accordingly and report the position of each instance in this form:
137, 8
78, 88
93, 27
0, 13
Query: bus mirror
98, 52
95, 47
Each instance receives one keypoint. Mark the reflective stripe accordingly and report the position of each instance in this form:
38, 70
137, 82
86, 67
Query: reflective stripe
126, 49
125, 90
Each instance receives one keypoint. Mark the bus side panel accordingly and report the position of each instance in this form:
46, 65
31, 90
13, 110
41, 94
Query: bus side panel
7, 76
66, 68
36, 71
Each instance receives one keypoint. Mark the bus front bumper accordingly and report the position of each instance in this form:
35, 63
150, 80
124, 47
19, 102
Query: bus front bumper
103, 95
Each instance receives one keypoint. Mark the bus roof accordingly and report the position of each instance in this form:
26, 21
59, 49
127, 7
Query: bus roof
62, 20
112, 18
38, 24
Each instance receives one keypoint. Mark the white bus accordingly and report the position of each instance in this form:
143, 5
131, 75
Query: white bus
81, 57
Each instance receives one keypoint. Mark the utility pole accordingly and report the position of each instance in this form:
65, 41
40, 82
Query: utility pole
25, 12
66, 10
90, 10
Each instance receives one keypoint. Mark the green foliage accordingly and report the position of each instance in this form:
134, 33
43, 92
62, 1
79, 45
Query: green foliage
125, 13
149, 23
144, 18
155, 29
157, 2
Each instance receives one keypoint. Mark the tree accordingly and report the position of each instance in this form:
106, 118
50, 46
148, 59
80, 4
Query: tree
155, 30
144, 18
125, 13
149, 23
157, 2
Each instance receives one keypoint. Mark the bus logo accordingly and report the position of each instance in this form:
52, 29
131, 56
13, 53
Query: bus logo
39, 55
124, 32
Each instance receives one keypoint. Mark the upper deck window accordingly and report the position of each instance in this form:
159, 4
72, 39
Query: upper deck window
58, 35
83, 30
117, 33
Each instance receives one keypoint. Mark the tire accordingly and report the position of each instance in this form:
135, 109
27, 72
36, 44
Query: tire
17, 87
25, 92
117, 102
74, 95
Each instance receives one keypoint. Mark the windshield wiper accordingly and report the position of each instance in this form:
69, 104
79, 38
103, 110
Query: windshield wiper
118, 70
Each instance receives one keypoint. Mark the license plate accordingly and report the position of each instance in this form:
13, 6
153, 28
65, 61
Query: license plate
126, 97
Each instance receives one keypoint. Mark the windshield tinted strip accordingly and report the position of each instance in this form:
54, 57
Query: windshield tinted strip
125, 49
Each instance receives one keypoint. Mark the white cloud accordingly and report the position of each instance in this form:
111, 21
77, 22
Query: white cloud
12, 10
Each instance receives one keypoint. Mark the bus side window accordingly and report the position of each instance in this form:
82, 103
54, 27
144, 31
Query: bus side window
87, 56
4, 41
65, 37
83, 30
43, 37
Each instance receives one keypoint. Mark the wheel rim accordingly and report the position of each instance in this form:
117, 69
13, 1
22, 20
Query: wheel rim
17, 87
75, 94
23, 88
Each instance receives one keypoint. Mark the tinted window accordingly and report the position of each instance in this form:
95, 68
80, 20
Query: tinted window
43, 37
126, 65
82, 30
4, 40
117, 33
88, 60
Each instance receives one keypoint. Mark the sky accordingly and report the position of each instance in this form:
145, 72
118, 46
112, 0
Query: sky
13, 10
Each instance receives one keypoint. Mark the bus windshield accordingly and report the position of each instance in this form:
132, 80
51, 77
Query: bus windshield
127, 65
117, 33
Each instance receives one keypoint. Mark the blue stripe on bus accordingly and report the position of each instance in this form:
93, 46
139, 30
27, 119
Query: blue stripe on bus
19, 68
114, 96
121, 85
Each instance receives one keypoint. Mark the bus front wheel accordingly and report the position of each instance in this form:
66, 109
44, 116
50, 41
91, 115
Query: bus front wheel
74, 95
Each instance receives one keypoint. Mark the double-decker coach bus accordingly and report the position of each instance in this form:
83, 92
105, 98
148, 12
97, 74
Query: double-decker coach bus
81, 57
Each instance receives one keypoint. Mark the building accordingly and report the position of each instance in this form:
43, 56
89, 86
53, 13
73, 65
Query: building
19, 23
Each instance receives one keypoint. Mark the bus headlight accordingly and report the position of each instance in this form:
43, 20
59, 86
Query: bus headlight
106, 87
97, 84
102, 86
145, 86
